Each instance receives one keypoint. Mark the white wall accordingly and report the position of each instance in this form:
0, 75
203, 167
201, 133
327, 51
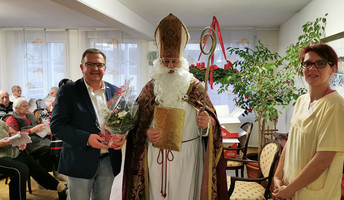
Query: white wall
269, 37
291, 29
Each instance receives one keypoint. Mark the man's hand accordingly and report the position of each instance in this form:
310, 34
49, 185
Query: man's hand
95, 141
117, 142
153, 135
202, 119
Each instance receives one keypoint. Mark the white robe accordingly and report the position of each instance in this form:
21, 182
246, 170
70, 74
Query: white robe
181, 171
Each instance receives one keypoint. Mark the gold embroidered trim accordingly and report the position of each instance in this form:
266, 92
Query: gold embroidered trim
146, 173
210, 170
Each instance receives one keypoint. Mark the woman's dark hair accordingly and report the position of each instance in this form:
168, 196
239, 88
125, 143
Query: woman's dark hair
323, 50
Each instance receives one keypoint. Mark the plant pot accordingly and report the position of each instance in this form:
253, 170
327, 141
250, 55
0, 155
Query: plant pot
252, 168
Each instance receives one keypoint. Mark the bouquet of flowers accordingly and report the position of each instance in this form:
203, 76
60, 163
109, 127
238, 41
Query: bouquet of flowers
121, 114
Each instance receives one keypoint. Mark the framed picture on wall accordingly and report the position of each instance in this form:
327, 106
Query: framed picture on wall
337, 43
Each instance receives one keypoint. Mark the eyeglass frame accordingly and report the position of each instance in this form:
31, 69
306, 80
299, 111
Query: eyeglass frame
91, 64
325, 62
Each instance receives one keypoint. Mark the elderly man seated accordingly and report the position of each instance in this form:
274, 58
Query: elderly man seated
23, 120
16, 92
52, 93
5, 104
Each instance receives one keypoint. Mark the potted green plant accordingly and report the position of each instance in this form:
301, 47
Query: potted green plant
264, 82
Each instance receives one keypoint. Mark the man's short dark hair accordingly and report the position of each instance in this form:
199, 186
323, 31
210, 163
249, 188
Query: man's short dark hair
92, 51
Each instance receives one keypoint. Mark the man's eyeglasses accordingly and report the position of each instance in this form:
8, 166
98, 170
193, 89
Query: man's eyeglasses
91, 64
167, 61
318, 64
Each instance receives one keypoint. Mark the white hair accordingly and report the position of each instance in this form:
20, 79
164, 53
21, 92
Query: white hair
48, 101
18, 102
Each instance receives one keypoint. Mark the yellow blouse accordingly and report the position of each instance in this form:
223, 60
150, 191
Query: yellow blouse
320, 128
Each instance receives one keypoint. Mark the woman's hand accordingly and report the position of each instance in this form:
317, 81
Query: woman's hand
153, 135
203, 119
277, 183
11, 131
4, 142
22, 147
283, 193
38, 128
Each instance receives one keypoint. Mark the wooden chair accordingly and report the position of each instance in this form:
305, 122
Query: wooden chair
243, 188
232, 164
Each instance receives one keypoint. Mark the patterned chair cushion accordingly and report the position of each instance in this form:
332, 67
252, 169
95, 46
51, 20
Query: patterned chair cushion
266, 158
234, 164
246, 190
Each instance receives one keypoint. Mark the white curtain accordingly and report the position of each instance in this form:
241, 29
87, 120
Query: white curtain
33, 59
37, 59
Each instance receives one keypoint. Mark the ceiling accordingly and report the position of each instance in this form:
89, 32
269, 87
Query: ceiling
139, 17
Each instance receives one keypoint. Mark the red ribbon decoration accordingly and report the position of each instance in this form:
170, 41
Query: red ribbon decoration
214, 25
211, 69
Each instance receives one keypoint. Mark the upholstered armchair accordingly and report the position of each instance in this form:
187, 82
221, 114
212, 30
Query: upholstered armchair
243, 188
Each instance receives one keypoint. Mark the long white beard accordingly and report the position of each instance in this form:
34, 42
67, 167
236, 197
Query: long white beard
170, 89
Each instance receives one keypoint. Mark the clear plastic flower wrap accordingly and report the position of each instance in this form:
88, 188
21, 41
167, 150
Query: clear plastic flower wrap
121, 114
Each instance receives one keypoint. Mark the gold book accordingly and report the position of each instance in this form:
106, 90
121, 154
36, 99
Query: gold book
170, 121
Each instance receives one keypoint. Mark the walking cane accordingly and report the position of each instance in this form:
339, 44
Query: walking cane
207, 32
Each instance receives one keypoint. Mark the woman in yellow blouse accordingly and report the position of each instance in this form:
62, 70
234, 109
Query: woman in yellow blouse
311, 163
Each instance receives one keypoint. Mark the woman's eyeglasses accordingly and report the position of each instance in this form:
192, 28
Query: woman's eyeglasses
318, 64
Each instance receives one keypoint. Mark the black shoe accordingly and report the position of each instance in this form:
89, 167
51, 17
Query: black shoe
63, 194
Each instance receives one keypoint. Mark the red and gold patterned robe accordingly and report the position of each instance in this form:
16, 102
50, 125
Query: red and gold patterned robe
135, 180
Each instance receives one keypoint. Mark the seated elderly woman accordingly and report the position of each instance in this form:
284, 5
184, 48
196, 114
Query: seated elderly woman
49, 103
17, 164
23, 120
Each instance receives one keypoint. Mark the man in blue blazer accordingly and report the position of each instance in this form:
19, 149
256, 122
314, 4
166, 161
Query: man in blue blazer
77, 119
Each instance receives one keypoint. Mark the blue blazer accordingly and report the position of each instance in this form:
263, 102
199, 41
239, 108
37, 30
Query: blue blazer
73, 120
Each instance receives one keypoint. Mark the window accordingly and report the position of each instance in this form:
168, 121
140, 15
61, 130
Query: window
122, 57
45, 67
